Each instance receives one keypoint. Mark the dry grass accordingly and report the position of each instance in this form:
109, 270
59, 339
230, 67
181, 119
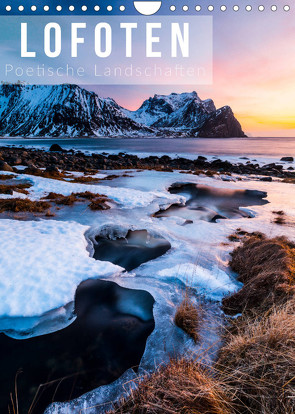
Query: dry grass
7, 176
61, 199
88, 195
10, 188
257, 362
48, 173
85, 180
266, 267
280, 220
98, 201
182, 386
17, 205
257, 359
188, 317
234, 237
289, 180
283, 219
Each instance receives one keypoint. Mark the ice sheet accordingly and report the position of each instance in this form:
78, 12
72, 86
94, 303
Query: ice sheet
49, 258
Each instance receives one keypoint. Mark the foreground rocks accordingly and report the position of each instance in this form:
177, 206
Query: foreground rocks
78, 161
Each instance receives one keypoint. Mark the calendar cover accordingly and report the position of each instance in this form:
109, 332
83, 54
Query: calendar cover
147, 217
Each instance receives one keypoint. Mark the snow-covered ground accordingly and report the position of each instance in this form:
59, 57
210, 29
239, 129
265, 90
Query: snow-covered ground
43, 261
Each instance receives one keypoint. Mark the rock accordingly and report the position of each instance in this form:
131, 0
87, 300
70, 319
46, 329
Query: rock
221, 124
32, 170
5, 167
266, 179
287, 159
56, 147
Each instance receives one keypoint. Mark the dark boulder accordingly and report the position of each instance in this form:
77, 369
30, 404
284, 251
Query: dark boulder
287, 159
56, 147
266, 179
5, 167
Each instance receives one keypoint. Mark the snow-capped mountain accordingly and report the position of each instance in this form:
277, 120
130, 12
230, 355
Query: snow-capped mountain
188, 114
69, 110
184, 110
61, 110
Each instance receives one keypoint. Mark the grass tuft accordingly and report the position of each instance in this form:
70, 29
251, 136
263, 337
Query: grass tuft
266, 267
17, 205
181, 386
10, 188
188, 317
257, 362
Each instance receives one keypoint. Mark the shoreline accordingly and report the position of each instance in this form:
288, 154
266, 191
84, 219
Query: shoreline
76, 160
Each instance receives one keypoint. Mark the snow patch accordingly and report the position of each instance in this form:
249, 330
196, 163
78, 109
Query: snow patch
42, 262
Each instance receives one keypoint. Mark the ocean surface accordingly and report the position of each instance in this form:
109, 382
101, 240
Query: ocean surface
268, 148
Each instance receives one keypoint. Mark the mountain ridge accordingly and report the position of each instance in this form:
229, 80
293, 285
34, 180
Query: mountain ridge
69, 110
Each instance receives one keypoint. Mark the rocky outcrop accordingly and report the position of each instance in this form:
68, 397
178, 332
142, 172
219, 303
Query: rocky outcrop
221, 124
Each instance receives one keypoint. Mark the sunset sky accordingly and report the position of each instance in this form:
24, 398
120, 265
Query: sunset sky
253, 72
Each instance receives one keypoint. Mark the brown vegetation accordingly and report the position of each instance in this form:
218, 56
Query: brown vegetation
98, 201
181, 386
289, 180
188, 317
6, 176
99, 204
50, 172
10, 188
84, 179
266, 267
280, 217
257, 362
26, 205
233, 237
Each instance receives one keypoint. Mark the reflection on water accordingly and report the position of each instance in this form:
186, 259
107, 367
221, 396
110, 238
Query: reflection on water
210, 204
131, 251
108, 337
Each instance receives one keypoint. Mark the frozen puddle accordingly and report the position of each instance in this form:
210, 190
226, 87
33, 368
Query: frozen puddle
130, 251
210, 204
107, 337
